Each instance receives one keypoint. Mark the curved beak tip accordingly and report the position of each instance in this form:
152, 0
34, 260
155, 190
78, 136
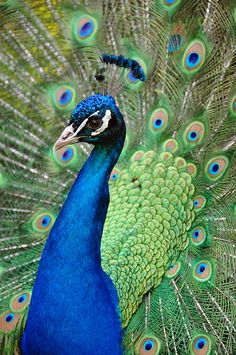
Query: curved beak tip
67, 137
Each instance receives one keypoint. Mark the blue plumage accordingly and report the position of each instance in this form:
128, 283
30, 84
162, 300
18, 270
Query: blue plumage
74, 306
91, 105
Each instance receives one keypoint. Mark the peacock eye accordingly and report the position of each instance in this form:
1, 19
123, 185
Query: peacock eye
94, 123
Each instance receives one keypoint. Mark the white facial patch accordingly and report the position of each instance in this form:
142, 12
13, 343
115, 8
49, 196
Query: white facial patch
81, 126
69, 133
105, 124
68, 136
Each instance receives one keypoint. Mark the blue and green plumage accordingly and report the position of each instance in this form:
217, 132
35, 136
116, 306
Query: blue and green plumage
70, 265
168, 243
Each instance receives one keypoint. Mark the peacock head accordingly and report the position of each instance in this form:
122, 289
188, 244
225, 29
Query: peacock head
95, 120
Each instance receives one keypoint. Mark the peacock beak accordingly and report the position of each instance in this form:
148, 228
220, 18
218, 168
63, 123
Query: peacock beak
68, 136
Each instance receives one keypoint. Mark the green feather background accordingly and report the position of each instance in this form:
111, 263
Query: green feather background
169, 237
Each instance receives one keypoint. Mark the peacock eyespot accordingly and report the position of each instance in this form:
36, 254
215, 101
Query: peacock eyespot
66, 155
194, 56
201, 345
194, 133
159, 120
46, 221
173, 269
9, 317
85, 29
114, 175
198, 235
203, 271
63, 97
214, 168
42, 222
148, 345
199, 203
192, 136
217, 167
20, 301
8, 321
193, 59
158, 123
201, 268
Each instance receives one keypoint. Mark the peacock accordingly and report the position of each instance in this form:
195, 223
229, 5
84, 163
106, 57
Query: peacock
117, 177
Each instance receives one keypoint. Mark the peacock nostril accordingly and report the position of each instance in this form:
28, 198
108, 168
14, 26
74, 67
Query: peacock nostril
67, 135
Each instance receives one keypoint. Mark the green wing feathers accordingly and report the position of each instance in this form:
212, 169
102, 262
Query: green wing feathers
153, 209
169, 237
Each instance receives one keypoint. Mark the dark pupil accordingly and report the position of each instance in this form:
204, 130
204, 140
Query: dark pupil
86, 27
94, 123
202, 268
21, 299
148, 346
201, 344
44, 221
158, 122
215, 167
64, 96
196, 234
193, 58
9, 318
65, 154
193, 135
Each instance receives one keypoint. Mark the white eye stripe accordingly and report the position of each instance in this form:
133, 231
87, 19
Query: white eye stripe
81, 126
84, 123
105, 124
68, 135
94, 114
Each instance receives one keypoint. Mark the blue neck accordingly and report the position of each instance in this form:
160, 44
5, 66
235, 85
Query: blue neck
74, 303
86, 205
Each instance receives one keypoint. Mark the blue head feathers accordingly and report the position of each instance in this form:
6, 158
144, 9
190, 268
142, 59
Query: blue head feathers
92, 104
96, 119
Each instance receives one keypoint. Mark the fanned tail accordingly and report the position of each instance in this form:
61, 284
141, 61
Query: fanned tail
178, 161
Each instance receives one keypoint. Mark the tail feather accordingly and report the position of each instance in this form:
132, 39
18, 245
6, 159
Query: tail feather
182, 118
